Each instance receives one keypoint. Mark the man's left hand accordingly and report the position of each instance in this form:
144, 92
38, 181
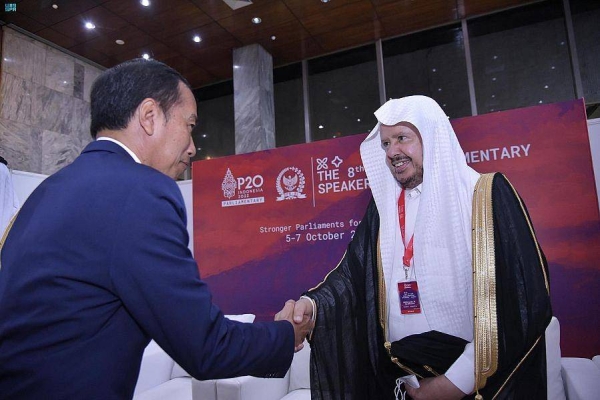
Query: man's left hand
438, 388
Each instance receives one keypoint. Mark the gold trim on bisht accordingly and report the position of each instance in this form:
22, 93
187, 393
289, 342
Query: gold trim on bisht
382, 292
5, 234
329, 273
484, 283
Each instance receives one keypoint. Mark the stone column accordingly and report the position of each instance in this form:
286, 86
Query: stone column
253, 99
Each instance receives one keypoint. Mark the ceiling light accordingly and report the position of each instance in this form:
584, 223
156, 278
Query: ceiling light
324, 1
321, 127
145, 3
256, 20
55, 6
197, 39
236, 67
120, 42
90, 25
358, 120
146, 56
273, 37
204, 135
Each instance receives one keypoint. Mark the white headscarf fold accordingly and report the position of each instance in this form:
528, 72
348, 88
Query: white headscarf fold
442, 238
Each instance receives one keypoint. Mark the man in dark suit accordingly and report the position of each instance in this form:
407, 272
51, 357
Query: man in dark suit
97, 263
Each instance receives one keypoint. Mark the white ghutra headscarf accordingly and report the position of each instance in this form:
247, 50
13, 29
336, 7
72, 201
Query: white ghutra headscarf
442, 237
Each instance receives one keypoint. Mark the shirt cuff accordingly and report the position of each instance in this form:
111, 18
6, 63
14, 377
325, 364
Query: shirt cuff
462, 372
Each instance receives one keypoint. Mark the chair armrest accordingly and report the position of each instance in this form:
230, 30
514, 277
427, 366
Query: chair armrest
581, 378
155, 368
252, 388
204, 390
596, 360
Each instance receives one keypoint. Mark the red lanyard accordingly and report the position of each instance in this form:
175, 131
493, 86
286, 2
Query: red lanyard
408, 249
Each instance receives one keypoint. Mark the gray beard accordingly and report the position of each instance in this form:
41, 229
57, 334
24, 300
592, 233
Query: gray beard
413, 181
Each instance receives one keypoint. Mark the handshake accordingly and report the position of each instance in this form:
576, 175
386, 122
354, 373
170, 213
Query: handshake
301, 314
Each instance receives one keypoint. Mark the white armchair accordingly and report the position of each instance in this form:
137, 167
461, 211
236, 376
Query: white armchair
294, 386
569, 377
581, 377
162, 378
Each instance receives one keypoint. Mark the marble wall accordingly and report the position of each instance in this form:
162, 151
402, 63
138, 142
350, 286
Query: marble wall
44, 104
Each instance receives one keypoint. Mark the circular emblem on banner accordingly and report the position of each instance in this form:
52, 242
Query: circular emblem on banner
290, 184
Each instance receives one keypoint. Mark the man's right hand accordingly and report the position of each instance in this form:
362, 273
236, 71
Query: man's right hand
300, 315
303, 308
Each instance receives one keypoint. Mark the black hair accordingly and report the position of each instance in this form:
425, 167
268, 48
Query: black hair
119, 90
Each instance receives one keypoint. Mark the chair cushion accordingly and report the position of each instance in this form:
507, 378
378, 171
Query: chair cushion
179, 372
300, 394
175, 389
596, 360
556, 390
300, 369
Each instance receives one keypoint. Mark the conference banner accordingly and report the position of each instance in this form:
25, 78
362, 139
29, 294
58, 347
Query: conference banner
271, 224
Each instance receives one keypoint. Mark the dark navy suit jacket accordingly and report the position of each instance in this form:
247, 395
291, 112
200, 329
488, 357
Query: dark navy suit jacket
95, 266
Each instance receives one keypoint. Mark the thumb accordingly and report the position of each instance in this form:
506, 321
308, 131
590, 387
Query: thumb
299, 311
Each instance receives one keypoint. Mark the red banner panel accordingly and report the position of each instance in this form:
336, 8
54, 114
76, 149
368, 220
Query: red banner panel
271, 224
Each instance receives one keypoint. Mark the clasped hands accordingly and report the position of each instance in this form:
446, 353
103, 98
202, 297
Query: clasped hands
299, 314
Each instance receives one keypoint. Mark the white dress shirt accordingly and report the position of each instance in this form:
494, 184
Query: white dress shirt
127, 149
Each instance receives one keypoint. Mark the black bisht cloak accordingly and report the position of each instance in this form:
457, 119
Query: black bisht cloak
348, 356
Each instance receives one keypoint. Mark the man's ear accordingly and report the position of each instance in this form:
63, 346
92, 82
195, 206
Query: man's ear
148, 113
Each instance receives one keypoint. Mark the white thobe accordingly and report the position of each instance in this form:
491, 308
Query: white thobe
461, 373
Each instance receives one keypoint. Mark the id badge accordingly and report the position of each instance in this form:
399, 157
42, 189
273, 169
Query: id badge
409, 297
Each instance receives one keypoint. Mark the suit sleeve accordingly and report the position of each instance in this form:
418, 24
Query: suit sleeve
157, 279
